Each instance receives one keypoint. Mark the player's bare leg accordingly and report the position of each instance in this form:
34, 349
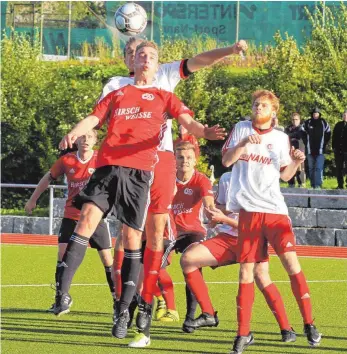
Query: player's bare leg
244, 302
274, 300
74, 254
193, 259
130, 275
301, 292
152, 259
118, 257
58, 270
107, 260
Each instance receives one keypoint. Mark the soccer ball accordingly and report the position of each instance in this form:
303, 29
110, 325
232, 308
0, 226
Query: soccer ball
130, 19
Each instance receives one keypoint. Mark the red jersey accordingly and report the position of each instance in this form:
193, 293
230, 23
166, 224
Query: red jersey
191, 139
136, 118
187, 206
77, 173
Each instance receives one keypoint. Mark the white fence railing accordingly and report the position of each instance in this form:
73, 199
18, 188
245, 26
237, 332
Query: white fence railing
51, 197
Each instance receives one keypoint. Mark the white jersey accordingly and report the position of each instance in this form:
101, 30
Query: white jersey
167, 78
255, 177
221, 198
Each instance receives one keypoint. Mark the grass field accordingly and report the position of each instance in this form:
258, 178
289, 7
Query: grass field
27, 328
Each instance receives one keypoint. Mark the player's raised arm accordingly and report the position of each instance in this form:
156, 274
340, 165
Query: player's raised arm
232, 154
41, 187
199, 130
212, 57
298, 158
81, 128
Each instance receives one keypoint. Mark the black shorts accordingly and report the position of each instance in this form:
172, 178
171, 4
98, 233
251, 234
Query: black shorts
168, 247
119, 191
184, 241
100, 240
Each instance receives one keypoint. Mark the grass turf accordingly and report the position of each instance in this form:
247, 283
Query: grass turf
26, 327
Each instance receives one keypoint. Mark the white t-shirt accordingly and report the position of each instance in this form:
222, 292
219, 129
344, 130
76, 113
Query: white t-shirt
167, 78
221, 198
255, 176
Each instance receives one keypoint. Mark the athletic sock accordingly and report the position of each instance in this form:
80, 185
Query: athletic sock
130, 276
108, 272
73, 257
117, 267
197, 285
275, 302
157, 291
58, 271
167, 287
244, 301
151, 266
302, 294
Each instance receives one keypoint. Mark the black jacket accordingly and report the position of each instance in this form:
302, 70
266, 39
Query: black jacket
339, 141
318, 135
295, 134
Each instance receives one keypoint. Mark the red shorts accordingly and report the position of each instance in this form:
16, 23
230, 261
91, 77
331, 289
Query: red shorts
256, 230
163, 186
222, 247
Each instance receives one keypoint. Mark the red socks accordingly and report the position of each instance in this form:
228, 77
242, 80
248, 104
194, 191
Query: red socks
151, 266
197, 285
244, 302
117, 266
275, 302
302, 295
168, 289
157, 291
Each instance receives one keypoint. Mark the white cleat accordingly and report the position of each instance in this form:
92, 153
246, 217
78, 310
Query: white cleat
140, 341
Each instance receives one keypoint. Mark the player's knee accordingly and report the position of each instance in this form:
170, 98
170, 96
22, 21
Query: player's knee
186, 260
155, 243
262, 278
246, 273
106, 257
290, 262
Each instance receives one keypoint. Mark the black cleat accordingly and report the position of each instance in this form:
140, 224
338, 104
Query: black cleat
52, 308
185, 327
144, 316
204, 320
312, 334
120, 325
132, 307
288, 335
241, 343
63, 302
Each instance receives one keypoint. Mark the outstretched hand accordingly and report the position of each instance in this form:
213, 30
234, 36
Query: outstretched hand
214, 133
67, 141
29, 206
240, 47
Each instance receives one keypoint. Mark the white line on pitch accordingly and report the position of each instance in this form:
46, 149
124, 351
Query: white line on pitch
177, 283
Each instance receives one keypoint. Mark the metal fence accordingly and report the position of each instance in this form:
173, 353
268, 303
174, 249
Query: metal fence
51, 197
52, 187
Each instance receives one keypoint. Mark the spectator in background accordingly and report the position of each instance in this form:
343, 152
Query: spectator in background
296, 136
275, 124
339, 145
318, 135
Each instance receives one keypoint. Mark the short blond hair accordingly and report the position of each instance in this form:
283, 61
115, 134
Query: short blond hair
269, 95
150, 44
185, 145
129, 42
